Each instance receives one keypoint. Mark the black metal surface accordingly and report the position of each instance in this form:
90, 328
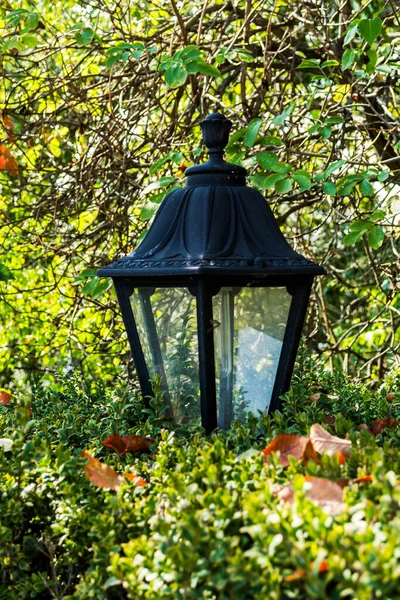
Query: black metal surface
300, 295
208, 404
124, 291
214, 225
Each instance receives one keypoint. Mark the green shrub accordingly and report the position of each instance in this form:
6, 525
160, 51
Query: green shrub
209, 524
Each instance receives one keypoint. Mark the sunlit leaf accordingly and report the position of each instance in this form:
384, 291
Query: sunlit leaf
325, 443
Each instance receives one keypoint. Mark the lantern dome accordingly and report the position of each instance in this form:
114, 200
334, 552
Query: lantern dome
216, 223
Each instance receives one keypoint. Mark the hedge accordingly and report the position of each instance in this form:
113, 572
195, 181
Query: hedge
214, 518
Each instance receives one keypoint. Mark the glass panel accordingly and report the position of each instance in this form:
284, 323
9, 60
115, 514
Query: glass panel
249, 327
166, 321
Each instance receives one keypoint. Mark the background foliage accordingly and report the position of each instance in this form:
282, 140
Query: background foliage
100, 105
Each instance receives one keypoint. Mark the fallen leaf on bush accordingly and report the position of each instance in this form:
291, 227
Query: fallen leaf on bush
287, 445
137, 443
390, 397
115, 442
366, 479
315, 397
310, 453
327, 494
127, 443
363, 427
299, 573
5, 398
380, 425
330, 420
325, 443
104, 476
6, 444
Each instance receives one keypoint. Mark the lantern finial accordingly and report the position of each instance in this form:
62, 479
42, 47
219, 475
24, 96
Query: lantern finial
215, 129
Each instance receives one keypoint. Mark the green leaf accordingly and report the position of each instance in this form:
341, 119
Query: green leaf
333, 167
312, 63
30, 40
303, 179
258, 180
148, 211
352, 237
370, 29
272, 179
373, 57
329, 188
376, 237
360, 226
112, 59
350, 33
271, 140
31, 21
206, 69
5, 273
325, 132
377, 215
334, 121
252, 131
282, 167
85, 36
348, 59
176, 75
280, 119
88, 273
159, 163
245, 56
267, 160
329, 63
90, 285
283, 186
383, 176
101, 286
366, 188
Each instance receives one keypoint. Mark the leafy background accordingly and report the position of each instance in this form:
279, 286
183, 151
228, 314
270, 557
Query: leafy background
100, 106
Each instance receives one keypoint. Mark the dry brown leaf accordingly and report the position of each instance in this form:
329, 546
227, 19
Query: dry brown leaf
127, 443
287, 445
115, 442
104, 476
137, 443
363, 427
390, 397
327, 494
315, 397
380, 425
5, 398
325, 443
323, 492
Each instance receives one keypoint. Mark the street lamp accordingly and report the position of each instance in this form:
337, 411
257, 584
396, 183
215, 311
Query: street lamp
214, 298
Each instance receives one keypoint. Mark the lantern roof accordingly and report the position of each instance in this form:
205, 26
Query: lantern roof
214, 225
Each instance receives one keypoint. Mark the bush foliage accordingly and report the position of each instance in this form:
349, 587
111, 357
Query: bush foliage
212, 522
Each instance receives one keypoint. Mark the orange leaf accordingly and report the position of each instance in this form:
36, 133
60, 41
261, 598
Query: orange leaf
390, 397
323, 567
326, 494
341, 457
137, 443
366, 479
5, 398
287, 445
7, 162
325, 443
310, 453
104, 476
380, 425
138, 481
128, 443
115, 442
297, 574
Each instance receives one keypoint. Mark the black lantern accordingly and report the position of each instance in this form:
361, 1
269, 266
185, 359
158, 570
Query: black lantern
214, 298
